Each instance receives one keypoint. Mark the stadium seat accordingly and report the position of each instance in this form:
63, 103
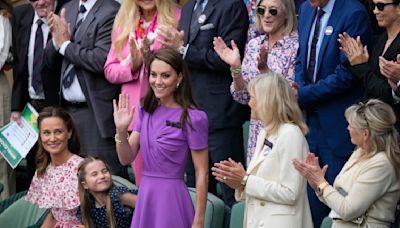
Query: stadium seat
326, 223
214, 217
119, 181
237, 215
21, 213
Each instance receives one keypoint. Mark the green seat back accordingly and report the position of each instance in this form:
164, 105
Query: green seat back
237, 215
119, 181
22, 214
326, 223
214, 217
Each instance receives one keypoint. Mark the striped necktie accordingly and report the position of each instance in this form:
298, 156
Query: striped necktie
38, 59
69, 75
313, 51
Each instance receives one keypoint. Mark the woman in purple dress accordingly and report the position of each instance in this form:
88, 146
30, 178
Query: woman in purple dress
169, 126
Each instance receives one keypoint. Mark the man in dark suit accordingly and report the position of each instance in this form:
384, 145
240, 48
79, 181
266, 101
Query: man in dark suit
34, 82
82, 49
325, 87
201, 21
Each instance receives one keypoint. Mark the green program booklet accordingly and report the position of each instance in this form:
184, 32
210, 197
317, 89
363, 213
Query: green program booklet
16, 141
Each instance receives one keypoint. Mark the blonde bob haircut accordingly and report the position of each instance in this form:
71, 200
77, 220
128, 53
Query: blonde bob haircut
128, 16
379, 119
276, 103
287, 6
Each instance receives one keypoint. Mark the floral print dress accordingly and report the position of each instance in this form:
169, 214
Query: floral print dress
281, 59
58, 190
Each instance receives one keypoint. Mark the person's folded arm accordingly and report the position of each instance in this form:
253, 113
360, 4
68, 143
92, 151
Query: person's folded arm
375, 86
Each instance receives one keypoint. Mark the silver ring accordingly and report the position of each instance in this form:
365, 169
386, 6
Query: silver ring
224, 178
350, 53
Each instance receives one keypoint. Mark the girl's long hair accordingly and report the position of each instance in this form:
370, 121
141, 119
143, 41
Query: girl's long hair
87, 200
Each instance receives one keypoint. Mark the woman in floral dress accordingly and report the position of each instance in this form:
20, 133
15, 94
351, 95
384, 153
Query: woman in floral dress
55, 184
274, 51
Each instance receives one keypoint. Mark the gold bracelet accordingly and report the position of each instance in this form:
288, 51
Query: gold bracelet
118, 140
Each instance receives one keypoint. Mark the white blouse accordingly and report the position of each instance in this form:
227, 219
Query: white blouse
5, 39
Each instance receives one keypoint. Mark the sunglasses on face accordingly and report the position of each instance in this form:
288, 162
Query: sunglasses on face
261, 11
380, 5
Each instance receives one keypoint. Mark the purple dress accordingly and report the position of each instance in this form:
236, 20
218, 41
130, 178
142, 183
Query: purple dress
163, 199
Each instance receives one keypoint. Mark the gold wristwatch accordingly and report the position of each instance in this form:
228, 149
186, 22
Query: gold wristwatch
244, 180
321, 187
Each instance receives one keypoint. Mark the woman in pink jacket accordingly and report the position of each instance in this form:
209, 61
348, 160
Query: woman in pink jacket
134, 38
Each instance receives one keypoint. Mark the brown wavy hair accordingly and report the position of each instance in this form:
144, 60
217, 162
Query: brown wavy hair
182, 94
86, 199
43, 158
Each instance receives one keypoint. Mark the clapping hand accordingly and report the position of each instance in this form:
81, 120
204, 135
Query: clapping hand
145, 50
262, 60
123, 114
295, 89
230, 56
229, 172
136, 55
310, 169
171, 37
391, 70
59, 27
355, 51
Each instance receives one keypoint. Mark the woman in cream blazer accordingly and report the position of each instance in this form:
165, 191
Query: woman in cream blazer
366, 190
275, 194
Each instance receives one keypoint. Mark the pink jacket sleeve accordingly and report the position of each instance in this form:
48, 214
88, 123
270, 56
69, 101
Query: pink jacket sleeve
116, 71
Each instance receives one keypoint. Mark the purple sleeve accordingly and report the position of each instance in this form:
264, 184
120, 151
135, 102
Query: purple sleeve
138, 122
198, 131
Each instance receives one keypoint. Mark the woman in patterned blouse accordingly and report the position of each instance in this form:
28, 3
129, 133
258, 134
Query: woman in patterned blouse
275, 51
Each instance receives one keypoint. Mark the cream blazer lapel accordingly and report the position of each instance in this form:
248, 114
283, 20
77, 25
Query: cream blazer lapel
258, 155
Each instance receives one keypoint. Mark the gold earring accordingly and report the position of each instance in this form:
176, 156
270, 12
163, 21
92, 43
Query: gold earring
177, 85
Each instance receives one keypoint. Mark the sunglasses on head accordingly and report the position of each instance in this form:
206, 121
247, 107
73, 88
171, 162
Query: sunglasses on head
261, 11
380, 5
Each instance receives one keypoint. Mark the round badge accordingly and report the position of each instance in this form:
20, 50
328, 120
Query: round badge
202, 19
329, 30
